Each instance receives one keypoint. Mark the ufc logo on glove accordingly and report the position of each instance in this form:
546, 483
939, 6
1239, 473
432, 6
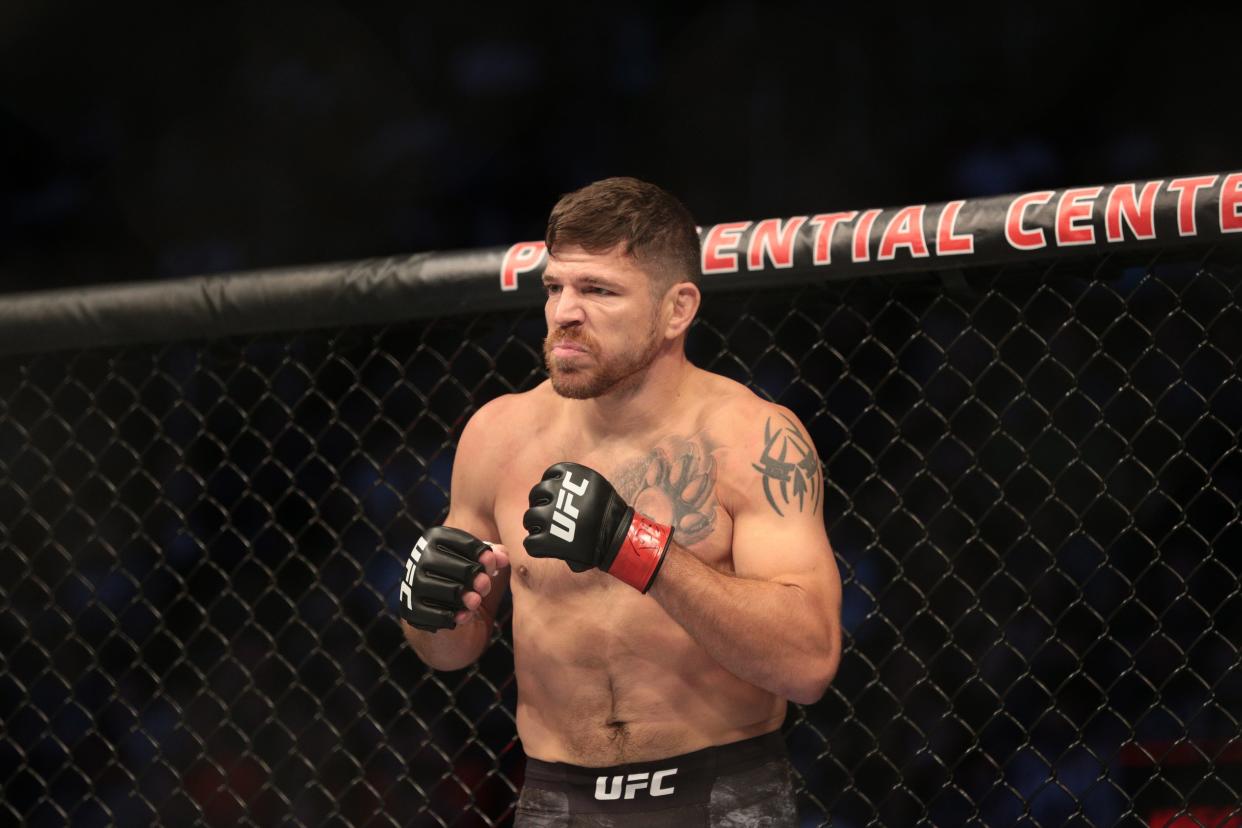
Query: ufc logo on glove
441, 566
407, 596
563, 518
576, 515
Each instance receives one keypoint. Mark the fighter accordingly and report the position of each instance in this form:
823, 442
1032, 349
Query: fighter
661, 530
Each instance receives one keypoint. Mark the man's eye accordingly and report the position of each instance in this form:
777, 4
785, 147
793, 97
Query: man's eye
599, 291
552, 288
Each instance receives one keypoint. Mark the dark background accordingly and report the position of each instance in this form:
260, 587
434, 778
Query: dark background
1034, 476
143, 140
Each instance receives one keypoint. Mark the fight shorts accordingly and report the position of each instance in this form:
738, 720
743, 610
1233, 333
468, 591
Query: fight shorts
747, 783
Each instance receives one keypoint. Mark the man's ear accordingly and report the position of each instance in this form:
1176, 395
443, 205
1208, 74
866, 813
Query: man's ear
682, 300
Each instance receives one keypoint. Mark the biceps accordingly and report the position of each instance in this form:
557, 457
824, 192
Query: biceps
786, 551
470, 508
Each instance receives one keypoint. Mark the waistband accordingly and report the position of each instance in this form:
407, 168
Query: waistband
674, 782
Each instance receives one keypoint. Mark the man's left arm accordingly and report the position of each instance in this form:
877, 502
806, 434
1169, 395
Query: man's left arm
776, 620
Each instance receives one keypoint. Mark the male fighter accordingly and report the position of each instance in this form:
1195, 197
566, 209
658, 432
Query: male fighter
661, 528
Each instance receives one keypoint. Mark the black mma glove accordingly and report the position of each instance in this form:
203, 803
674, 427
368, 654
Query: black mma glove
577, 516
441, 567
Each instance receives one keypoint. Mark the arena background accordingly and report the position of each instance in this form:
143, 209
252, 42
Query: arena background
157, 668
159, 140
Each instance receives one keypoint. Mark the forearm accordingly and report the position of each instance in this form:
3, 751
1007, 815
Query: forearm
769, 634
452, 649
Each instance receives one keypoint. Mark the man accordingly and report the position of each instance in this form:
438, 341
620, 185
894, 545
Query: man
700, 593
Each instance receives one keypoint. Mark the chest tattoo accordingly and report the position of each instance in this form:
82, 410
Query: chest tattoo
674, 483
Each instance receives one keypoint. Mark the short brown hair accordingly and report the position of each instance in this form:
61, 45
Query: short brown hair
651, 224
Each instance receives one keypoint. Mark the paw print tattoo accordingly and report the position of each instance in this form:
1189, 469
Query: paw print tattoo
674, 484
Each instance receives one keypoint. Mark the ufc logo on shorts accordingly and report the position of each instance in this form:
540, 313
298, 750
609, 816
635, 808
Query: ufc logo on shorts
415, 554
610, 787
563, 523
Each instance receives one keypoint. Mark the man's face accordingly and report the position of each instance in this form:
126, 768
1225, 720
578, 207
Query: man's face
602, 321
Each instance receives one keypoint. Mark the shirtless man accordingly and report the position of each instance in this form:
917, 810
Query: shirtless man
700, 593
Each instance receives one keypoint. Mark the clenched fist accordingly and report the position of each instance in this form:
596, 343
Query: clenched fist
577, 516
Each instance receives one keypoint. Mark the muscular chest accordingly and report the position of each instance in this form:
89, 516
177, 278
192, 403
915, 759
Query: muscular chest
673, 481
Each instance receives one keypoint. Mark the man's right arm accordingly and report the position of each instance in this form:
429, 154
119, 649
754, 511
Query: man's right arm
472, 496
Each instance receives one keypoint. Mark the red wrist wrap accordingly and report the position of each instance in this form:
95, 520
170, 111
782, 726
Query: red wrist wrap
641, 553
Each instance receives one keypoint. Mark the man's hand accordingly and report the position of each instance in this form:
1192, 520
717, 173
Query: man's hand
577, 516
447, 574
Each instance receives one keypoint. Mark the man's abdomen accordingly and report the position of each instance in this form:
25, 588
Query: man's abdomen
601, 687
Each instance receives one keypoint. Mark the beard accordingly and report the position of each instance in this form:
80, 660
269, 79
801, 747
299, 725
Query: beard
593, 374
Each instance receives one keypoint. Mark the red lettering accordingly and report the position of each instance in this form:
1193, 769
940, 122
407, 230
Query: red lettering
720, 247
1231, 204
1139, 212
775, 240
1186, 206
825, 224
522, 257
1072, 209
948, 244
1018, 236
862, 236
904, 230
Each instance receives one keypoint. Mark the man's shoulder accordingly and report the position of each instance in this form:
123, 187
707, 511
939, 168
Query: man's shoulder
508, 419
747, 431
736, 413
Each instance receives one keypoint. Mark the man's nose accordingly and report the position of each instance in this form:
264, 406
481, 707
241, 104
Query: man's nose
567, 309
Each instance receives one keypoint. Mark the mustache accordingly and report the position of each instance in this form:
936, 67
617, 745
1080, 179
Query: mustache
569, 335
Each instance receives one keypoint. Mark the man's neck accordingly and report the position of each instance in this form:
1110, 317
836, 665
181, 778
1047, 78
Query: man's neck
641, 405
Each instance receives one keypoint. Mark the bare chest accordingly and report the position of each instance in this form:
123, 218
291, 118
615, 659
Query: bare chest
673, 481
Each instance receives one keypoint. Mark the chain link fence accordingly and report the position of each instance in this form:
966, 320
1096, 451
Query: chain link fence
1033, 481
